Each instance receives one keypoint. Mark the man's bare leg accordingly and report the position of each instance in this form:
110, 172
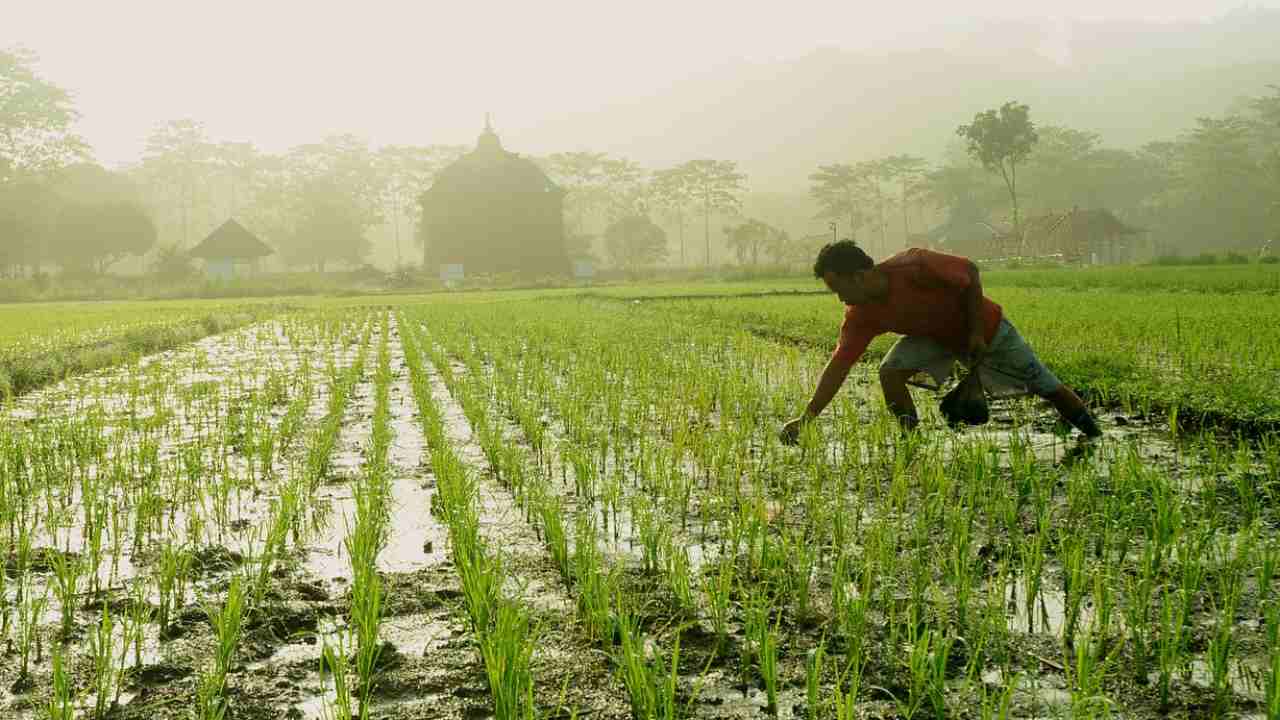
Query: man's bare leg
896, 395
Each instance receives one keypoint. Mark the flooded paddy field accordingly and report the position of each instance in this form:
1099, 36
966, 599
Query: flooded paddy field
565, 507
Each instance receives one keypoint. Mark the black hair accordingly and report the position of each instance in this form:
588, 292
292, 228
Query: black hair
844, 257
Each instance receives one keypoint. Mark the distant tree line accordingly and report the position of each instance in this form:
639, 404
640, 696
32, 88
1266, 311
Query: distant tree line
1215, 187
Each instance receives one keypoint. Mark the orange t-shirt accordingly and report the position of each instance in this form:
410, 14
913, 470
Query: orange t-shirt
926, 299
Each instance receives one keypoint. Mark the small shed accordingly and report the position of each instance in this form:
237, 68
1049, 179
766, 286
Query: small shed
1077, 236
231, 252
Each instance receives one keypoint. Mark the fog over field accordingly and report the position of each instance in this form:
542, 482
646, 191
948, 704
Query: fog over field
776, 87
193, 104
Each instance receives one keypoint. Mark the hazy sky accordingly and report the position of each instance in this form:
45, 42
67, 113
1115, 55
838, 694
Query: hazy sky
280, 72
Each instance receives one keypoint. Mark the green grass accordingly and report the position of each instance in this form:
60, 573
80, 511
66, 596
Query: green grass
44, 343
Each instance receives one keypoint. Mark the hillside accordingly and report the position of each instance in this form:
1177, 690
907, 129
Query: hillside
1131, 82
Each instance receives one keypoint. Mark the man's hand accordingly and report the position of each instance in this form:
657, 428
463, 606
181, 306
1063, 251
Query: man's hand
790, 434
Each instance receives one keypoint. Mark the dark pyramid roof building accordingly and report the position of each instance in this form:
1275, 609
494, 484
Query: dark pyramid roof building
493, 211
231, 242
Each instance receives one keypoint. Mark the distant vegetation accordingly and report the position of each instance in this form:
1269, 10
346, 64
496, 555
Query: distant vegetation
1208, 193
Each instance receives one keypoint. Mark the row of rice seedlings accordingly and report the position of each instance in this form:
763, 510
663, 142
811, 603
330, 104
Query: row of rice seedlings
501, 626
367, 538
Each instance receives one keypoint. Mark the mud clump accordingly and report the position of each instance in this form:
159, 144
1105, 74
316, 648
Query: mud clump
42, 561
215, 559
190, 617
313, 591
159, 674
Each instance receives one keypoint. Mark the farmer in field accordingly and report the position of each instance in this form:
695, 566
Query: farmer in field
936, 301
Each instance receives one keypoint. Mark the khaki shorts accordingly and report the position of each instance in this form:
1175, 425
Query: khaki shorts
1010, 367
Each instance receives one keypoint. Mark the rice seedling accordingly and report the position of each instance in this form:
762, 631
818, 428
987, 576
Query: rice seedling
105, 681
767, 640
813, 678
365, 541
30, 609
507, 650
849, 687
67, 570
62, 700
652, 683
552, 516
1271, 692
635, 669
998, 706
595, 586
718, 585
171, 570
366, 599
334, 663
679, 575
1140, 592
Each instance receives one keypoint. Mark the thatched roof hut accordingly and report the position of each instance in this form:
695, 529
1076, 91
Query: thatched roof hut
230, 251
494, 211
231, 242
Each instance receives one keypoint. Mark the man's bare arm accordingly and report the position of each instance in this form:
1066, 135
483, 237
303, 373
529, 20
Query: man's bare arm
833, 376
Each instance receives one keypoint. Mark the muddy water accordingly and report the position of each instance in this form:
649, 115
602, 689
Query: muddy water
187, 391
418, 540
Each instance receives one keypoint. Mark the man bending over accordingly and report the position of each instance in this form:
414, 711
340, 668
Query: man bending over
936, 301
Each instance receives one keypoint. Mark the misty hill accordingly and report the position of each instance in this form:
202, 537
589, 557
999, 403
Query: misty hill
1131, 82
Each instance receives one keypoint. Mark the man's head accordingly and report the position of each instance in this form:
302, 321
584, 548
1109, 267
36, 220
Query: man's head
844, 267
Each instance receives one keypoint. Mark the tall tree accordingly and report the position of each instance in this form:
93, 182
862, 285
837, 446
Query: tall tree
1226, 178
583, 177
98, 219
36, 117
626, 189
27, 216
331, 227
841, 190
178, 159
968, 195
634, 242
1266, 123
673, 197
238, 164
1061, 173
1001, 140
752, 237
347, 164
909, 172
879, 174
716, 186
96, 236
